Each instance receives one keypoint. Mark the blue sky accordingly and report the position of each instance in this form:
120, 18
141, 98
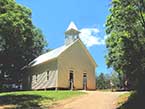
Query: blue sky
54, 16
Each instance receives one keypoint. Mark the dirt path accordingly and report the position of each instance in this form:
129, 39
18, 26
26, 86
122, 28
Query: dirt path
92, 100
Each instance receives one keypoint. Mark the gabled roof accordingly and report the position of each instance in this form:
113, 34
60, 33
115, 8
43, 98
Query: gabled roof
57, 52
49, 55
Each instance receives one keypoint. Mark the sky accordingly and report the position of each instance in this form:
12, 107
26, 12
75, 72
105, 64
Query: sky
54, 16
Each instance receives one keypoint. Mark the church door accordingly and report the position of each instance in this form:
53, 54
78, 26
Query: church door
71, 80
85, 81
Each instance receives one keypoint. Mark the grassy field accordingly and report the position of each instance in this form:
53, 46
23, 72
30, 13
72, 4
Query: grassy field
34, 99
122, 99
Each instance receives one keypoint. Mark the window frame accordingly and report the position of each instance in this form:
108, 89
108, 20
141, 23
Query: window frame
36, 79
48, 76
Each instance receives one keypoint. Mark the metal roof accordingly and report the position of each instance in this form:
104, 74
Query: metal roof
49, 55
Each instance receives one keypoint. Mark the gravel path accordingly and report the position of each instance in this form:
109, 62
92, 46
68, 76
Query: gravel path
92, 100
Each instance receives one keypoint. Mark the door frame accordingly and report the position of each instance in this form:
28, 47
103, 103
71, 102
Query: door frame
85, 78
71, 79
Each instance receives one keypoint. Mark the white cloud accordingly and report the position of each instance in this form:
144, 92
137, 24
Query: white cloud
90, 37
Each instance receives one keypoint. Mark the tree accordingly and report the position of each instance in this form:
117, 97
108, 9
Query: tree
103, 81
20, 41
116, 79
126, 42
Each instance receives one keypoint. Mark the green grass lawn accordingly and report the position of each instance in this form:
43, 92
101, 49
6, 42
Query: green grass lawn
35, 99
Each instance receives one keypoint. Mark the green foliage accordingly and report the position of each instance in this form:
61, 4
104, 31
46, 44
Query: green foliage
35, 99
103, 81
115, 79
126, 42
20, 41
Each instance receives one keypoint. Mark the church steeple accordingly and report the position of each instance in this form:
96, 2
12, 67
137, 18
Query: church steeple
71, 34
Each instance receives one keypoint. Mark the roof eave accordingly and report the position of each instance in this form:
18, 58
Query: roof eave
44, 62
72, 31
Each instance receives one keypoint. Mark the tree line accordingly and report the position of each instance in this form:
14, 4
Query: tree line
110, 81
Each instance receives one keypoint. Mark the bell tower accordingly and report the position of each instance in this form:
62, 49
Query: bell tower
71, 34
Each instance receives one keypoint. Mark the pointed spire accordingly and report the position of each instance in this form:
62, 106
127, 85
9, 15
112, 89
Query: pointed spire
72, 29
72, 26
71, 34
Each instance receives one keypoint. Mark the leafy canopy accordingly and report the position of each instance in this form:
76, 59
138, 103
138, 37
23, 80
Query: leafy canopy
126, 42
20, 41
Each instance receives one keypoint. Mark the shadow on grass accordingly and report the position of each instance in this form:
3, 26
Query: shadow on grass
23, 101
135, 101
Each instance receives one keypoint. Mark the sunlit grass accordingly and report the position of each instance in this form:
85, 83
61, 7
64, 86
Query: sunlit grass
27, 99
123, 98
